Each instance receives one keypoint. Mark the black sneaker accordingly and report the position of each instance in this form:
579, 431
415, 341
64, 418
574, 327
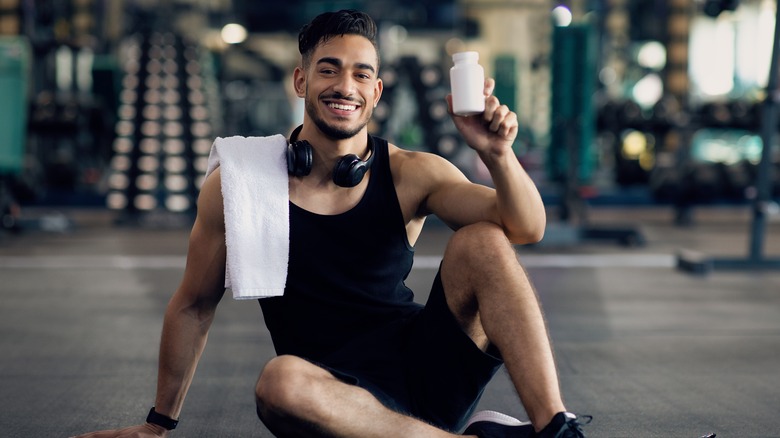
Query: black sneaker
492, 424
565, 425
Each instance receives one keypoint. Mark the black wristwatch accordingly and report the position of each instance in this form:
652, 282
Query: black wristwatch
161, 420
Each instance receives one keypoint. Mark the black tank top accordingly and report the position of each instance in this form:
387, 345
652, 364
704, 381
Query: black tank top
346, 272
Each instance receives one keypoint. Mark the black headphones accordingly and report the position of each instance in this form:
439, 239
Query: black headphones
349, 170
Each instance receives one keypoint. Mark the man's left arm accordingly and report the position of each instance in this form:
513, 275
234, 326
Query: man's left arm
515, 204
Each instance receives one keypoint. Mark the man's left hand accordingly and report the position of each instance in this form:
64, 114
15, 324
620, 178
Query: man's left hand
492, 132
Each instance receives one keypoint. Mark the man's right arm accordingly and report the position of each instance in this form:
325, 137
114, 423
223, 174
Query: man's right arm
190, 311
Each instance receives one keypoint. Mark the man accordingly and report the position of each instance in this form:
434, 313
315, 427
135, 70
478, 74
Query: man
357, 357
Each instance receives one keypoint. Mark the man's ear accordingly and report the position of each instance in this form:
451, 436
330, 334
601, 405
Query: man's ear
378, 91
299, 81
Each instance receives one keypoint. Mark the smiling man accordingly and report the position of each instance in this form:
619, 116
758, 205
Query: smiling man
357, 357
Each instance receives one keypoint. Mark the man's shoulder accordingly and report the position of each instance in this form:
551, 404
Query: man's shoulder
413, 160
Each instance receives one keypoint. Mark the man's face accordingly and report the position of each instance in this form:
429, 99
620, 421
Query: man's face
341, 85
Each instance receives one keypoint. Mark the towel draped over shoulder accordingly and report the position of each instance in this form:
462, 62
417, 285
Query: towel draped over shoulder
255, 192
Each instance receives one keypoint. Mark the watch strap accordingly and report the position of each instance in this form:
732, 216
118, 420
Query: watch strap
161, 420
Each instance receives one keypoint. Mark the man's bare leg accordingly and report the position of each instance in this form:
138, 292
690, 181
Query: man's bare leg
296, 398
492, 298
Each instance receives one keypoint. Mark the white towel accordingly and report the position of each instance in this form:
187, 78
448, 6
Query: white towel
256, 196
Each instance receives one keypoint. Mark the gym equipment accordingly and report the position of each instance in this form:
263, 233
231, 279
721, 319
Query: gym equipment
15, 55
15, 58
573, 125
698, 263
164, 130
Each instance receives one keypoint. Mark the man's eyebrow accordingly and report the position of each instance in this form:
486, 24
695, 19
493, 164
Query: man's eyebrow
363, 66
333, 61
337, 62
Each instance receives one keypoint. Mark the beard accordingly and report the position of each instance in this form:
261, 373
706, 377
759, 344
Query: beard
335, 132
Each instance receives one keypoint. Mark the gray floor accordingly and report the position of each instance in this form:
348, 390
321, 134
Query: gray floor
647, 350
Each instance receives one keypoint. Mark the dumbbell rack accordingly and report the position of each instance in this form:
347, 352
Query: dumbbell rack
164, 130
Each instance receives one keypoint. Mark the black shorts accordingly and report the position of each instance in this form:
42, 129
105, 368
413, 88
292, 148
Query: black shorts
424, 365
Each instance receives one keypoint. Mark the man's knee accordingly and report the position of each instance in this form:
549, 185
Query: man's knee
479, 259
476, 256
283, 383
478, 243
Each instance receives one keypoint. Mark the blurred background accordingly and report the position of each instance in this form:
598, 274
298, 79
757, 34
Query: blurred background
115, 104
643, 123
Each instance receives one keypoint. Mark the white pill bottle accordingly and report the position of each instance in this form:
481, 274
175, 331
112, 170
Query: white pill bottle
467, 82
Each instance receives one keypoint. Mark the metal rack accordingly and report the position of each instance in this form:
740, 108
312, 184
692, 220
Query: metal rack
698, 263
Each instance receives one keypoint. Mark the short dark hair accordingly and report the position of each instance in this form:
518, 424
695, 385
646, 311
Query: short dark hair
331, 24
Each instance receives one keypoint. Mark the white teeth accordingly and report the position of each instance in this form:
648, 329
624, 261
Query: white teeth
342, 107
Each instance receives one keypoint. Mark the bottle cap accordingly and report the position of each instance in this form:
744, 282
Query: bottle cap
465, 56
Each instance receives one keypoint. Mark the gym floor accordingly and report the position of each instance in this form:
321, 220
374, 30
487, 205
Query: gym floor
647, 350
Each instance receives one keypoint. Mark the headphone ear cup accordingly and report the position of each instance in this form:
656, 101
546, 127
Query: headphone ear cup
349, 171
299, 158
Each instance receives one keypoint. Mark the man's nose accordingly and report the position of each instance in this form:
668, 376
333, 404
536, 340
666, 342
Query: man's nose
345, 85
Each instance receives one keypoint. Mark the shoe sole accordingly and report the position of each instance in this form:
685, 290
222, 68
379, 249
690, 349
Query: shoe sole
495, 417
